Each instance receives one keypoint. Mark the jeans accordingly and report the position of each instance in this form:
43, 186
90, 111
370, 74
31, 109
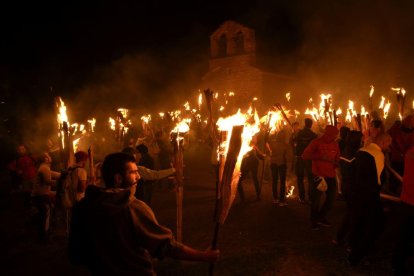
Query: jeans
44, 207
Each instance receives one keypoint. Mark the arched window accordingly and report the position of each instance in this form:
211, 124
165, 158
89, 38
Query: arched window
239, 43
222, 46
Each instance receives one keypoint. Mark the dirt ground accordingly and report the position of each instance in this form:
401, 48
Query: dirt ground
258, 237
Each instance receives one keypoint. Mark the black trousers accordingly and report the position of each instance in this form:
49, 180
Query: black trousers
317, 213
405, 238
279, 172
367, 221
249, 165
303, 168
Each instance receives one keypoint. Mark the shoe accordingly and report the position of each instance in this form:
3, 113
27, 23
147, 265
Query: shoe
315, 226
282, 203
275, 201
324, 223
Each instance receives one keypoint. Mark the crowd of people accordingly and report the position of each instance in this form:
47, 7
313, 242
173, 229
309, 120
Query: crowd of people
326, 164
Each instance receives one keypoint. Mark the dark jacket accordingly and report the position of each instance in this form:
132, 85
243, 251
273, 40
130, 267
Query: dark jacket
303, 139
116, 235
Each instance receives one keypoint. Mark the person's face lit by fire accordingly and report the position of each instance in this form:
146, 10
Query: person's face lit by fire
130, 178
21, 150
47, 159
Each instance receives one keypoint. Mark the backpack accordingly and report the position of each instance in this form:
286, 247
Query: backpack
66, 195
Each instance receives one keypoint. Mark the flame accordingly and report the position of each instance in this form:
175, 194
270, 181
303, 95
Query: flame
62, 116
187, 121
400, 116
339, 111
386, 109
276, 121
200, 100
161, 115
314, 113
216, 95
363, 111
400, 90
187, 106
76, 144
231, 94
288, 96
250, 129
381, 106
92, 122
111, 123
255, 99
82, 128
372, 91
181, 127
75, 127
348, 117
290, 193
221, 108
124, 112
146, 118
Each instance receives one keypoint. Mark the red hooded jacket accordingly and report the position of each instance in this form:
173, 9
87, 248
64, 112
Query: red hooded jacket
324, 153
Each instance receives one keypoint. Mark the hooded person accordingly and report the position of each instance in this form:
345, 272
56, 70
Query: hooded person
364, 197
324, 153
113, 233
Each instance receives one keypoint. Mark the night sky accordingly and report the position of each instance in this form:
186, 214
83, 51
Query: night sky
141, 52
